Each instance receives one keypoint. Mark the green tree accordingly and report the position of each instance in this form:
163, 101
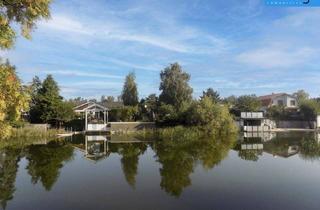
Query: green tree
211, 117
212, 94
309, 109
20, 12
130, 92
174, 86
47, 105
301, 96
13, 98
49, 100
247, 103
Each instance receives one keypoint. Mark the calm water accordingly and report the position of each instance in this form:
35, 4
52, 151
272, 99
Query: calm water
277, 171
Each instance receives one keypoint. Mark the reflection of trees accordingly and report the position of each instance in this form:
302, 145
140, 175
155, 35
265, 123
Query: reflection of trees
46, 160
179, 156
9, 159
130, 153
310, 149
252, 155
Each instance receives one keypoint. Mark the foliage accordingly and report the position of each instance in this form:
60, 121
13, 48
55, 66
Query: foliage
130, 91
13, 99
247, 103
276, 112
148, 107
174, 86
301, 96
167, 114
125, 114
210, 117
21, 12
212, 94
47, 105
309, 109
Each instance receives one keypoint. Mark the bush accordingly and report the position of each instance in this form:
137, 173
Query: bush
210, 117
125, 114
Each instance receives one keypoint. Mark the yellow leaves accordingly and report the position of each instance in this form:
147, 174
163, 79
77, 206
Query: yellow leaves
26, 14
12, 98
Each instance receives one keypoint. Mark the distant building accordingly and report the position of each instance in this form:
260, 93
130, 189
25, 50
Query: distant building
280, 99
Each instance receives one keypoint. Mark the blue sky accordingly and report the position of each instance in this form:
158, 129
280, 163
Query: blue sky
236, 47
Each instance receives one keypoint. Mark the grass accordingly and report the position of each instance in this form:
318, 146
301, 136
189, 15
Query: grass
28, 135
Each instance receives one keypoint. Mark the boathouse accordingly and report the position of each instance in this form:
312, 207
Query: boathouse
96, 116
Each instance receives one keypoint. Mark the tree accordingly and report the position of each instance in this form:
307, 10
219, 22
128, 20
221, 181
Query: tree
13, 99
301, 95
210, 117
212, 94
20, 12
130, 92
309, 109
174, 86
49, 99
47, 104
247, 103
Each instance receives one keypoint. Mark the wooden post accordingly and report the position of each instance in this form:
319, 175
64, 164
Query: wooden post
104, 117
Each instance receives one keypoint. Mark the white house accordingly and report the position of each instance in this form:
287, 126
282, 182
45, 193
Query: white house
280, 99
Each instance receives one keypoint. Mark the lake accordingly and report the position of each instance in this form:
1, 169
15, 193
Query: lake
271, 171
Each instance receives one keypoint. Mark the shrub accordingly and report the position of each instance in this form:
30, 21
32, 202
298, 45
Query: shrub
210, 117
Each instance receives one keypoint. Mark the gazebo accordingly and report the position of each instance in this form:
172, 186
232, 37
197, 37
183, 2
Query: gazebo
94, 114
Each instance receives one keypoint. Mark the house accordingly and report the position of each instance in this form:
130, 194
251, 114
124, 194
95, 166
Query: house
94, 114
280, 99
255, 122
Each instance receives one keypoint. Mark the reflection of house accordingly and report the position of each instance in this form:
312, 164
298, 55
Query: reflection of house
280, 99
290, 151
95, 116
255, 122
96, 147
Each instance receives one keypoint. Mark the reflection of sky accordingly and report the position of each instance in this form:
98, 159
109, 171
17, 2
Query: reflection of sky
236, 47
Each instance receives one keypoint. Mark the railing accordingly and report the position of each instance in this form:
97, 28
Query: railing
256, 128
252, 115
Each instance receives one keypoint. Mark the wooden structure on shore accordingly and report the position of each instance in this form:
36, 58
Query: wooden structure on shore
96, 116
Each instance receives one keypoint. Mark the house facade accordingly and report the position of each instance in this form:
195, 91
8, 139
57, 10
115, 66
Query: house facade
279, 99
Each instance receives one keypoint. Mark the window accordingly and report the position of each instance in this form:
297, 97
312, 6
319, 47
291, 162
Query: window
292, 103
280, 102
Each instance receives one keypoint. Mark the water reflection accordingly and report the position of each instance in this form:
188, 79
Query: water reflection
9, 158
306, 145
177, 158
46, 160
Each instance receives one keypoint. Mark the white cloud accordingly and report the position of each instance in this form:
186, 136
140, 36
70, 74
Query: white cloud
277, 56
82, 74
173, 37
66, 24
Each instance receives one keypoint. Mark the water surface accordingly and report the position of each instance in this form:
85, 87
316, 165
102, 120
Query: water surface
275, 171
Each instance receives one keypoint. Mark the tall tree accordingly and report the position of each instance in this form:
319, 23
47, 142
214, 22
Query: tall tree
301, 95
212, 94
174, 86
20, 12
130, 91
50, 99
13, 99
